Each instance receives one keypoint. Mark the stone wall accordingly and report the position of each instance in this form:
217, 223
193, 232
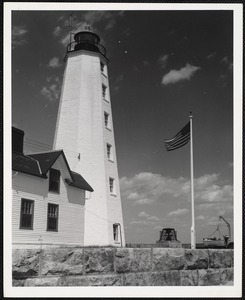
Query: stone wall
64, 266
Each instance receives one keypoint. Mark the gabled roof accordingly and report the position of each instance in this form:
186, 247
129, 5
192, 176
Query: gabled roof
27, 165
47, 159
79, 182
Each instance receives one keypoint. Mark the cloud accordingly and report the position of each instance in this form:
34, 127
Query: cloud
200, 217
52, 91
211, 55
146, 188
57, 31
19, 36
54, 63
98, 20
163, 60
148, 217
184, 73
178, 212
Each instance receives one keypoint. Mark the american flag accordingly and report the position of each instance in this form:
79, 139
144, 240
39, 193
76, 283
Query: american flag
179, 140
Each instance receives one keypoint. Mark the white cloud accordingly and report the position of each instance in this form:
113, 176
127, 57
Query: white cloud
54, 63
98, 21
178, 212
200, 217
52, 91
143, 214
146, 188
19, 35
211, 55
184, 73
163, 60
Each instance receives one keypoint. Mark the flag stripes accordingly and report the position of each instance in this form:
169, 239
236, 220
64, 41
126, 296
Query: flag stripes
179, 140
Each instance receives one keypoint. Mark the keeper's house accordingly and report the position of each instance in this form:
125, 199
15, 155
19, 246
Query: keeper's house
48, 198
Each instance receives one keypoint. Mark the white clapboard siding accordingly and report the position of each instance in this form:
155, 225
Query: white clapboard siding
71, 211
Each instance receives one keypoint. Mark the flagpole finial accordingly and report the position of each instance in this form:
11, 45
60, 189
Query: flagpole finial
190, 114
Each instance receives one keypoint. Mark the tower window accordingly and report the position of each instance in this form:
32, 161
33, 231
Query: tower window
116, 232
27, 214
54, 181
104, 91
102, 67
106, 118
109, 151
52, 224
112, 185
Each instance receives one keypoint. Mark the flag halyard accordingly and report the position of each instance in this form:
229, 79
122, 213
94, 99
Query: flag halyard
179, 140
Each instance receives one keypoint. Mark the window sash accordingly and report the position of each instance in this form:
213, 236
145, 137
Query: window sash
115, 232
106, 120
108, 151
103, 91
111, 181
52, 219
26, 214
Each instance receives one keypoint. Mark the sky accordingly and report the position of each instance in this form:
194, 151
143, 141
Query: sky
162, 65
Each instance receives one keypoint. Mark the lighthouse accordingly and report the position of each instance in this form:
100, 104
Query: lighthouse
84, 130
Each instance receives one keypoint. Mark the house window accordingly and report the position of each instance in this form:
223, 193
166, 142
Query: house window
53, 210
112, 185
107, 125
102, 67
103, 91
54, 181
27, 214
109, 152
116, 232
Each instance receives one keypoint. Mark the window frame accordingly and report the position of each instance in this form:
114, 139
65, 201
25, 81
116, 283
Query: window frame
110, 156
102, 67
21, 214
113, 192
104, 91
52, 170
116, 233
107, 120
57, 218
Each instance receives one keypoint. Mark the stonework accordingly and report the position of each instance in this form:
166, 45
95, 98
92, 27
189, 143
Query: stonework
77, 266
168, 259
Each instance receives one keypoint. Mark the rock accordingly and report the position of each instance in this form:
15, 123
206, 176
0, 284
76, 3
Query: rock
132, 260
25, 263
209, 277
168, 259
219, 258
189, 277
62, 261
16, 282
99, 260
93, 280
196, 259
171, 278
48, 281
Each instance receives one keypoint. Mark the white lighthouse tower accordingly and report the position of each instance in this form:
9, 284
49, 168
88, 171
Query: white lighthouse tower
84, 130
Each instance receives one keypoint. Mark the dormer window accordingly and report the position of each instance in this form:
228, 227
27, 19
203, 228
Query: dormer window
54, 181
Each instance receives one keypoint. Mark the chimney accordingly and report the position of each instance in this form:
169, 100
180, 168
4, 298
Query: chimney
17, 140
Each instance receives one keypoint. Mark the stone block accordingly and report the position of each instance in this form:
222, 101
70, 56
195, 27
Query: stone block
18, 282
62, 261
168, 259
209, 277
100, 260
230, 274
189, 277
169, 278
196, 259
219, 258
47, 281
25, 263
132, 260
93, 280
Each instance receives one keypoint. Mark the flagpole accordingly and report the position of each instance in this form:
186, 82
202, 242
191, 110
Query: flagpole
193, 238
